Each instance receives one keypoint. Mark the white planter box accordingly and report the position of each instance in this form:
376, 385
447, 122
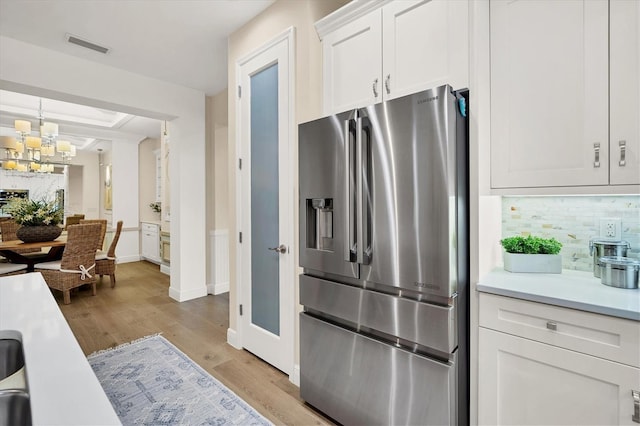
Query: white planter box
538, 263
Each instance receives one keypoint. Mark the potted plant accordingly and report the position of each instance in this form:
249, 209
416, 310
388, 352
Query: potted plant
532, 254
39, 219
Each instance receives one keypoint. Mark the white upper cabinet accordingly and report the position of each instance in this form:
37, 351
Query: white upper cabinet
352, 64
381, 53
549, 93
624, 85
425, 44
565, 93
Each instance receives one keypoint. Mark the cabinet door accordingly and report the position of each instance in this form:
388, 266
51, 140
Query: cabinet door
150, 242
522, 382
549, 93
625, 92
425, 45
352, 64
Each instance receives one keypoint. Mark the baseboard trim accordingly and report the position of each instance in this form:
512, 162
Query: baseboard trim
295, 375
219, 288
183, 296
128, 259
232, 338
165, 269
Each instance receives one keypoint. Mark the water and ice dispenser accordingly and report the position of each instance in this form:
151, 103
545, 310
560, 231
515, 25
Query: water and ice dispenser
320, 223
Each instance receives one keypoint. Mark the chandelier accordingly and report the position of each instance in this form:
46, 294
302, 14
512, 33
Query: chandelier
35, 153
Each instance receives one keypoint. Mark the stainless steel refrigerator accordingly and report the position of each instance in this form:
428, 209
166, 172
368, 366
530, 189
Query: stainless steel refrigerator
384, 247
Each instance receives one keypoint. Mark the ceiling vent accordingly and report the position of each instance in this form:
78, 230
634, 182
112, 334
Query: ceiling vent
87, 44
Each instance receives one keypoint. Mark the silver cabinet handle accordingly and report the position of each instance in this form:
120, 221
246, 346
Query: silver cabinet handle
387, 83
552, 325
636, 406
623, 153
280, 249
596, 153
375, 88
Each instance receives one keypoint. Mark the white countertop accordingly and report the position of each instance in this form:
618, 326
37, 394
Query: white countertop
62, 386
570, 289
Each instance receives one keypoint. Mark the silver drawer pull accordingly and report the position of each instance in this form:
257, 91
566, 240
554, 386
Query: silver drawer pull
596, 155
374, 86
623, 153
636, 406
552, 325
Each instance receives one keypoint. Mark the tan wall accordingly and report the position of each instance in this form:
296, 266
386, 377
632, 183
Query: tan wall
86, 163
220, 159
147, 178
300, 14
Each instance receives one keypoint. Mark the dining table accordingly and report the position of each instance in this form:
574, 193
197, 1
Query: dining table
9, 249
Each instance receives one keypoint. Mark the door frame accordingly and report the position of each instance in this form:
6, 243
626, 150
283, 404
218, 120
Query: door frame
287, 227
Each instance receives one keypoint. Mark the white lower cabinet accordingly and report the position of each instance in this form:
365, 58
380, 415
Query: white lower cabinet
527, 382
150, 241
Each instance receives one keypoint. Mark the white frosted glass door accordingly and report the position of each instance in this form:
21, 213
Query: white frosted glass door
265, 292
265, 207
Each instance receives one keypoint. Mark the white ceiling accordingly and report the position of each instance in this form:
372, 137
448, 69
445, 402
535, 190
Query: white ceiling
178, 41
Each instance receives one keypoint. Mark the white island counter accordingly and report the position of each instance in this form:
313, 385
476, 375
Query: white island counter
62, 386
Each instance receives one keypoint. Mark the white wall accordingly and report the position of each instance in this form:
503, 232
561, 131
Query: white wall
147, 178
42, 72
124, 176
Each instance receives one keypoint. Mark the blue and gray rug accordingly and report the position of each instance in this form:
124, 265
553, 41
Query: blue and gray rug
151, 382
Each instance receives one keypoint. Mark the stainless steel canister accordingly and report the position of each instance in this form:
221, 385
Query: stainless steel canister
619, 272
606, 248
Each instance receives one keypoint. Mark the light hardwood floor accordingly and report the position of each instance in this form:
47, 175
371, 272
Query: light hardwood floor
139, 305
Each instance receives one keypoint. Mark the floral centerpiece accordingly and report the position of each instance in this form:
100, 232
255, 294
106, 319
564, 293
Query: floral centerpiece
39, 219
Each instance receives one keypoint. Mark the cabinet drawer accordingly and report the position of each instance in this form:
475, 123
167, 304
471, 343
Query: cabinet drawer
615, 339
149, 228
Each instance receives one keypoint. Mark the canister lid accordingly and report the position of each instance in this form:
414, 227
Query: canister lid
618, 261
606, 242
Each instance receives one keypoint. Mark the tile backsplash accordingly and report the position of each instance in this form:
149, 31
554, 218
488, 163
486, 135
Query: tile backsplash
572, 220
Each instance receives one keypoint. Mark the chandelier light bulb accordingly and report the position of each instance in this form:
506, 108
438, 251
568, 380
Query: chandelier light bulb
63, 146
22, 126
49, 129
33, 142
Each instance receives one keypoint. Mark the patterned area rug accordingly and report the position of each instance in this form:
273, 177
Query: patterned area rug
151, 382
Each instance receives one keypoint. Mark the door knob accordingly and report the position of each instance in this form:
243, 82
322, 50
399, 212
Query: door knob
280, 249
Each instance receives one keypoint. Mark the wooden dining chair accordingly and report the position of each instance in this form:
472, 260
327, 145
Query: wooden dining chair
107, 265
77, 266
103, 230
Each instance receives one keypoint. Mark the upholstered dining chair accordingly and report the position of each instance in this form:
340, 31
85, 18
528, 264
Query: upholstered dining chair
107, 265
8, 228
77, 266
103, 230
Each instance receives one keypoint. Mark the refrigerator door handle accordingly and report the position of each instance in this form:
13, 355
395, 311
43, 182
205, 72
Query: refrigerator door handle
348, 132
359, 194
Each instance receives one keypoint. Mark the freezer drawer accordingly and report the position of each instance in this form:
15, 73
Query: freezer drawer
428, 325
357, 380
